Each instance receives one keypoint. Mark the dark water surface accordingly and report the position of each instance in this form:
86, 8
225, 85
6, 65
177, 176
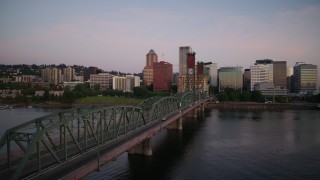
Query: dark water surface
229, 144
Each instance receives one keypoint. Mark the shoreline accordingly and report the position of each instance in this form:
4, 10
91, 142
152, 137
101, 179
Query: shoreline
220, 105
263, 106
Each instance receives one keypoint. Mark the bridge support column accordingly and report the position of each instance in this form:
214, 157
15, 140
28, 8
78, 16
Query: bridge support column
202, 110
195, 112
144, 148
176, 124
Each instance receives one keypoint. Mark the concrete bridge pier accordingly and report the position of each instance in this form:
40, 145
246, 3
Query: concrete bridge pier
144, 148
176, 124
193, 113
202, 109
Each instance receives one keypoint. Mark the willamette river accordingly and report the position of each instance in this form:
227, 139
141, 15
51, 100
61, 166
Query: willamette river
225, 144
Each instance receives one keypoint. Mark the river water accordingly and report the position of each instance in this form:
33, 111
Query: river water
223, 144
15, 116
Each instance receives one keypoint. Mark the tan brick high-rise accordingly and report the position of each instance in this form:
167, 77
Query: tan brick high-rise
151, 58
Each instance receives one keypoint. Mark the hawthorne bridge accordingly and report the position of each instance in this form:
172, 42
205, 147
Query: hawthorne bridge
75, 142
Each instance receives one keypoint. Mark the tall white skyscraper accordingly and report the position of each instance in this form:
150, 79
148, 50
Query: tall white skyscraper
183, 51
213, 74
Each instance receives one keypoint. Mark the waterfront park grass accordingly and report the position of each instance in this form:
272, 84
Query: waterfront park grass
109, 100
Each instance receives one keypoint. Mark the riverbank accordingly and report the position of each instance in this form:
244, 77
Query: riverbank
114, 101
262, 106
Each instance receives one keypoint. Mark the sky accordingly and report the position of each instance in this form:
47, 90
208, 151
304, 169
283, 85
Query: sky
117, 35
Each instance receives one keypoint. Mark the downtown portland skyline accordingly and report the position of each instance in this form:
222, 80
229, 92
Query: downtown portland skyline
117, 35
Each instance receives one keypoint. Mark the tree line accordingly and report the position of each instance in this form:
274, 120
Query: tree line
84, 90
81, 90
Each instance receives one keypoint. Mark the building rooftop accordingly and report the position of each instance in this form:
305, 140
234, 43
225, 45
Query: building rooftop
151, 51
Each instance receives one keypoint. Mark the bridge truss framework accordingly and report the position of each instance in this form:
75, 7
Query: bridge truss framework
50, 141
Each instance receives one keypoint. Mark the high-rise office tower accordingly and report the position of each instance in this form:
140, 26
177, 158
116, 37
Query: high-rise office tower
246, 79
212, 73
151, 58
162, 79
305, 77
196, 77
230, 77
290, 80
268, 63
289, 71
183, 51
280, 74
261, 71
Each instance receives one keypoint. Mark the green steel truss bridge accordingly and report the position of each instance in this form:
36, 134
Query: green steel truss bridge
55, 140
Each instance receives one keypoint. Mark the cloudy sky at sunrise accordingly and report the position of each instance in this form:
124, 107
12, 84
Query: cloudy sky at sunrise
116, 35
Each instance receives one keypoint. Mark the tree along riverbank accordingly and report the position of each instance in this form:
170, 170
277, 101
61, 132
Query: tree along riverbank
258, 106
